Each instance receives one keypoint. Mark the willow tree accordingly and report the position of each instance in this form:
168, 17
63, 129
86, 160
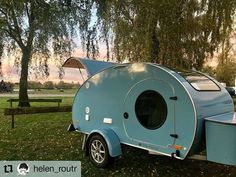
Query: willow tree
226, 69
39, 29
176, 33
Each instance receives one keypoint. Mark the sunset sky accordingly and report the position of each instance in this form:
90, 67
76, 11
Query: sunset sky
71, 75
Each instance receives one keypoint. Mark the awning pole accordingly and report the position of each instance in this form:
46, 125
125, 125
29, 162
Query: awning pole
81, 74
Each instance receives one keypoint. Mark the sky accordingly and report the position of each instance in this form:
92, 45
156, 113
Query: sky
71, 75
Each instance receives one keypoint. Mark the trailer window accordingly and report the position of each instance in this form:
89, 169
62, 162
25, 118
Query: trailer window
199, 81
151, 109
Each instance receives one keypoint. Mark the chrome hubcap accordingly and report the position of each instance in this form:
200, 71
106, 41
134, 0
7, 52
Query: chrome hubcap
98, 151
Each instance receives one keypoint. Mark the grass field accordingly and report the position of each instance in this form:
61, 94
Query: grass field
44, 137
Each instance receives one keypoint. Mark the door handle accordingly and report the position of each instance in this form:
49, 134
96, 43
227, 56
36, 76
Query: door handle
173, 98
174, 135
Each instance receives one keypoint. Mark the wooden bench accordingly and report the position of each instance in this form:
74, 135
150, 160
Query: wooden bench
58, 101
34, 110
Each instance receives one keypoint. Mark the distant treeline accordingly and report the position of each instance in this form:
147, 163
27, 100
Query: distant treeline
52, 85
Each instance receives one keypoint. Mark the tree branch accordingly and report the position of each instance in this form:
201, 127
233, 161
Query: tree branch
4, 13
10, 31
30, 15
16, 29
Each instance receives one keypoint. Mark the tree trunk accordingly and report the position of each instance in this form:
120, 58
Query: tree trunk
23, 94
155, 46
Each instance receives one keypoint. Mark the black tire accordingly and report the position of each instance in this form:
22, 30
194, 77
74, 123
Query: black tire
98, 151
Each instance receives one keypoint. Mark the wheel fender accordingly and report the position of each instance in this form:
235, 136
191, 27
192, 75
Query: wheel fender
112, 140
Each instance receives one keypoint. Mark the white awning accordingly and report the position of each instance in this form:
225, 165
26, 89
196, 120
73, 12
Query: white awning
92, 66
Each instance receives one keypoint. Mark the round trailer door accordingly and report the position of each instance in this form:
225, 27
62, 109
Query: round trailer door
149, 114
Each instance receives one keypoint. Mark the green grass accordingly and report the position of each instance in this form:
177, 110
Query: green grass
44, 137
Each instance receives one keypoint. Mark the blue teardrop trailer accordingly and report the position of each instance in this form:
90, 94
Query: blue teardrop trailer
148, 106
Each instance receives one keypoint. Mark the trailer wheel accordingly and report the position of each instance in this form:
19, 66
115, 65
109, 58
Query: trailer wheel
98, 151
